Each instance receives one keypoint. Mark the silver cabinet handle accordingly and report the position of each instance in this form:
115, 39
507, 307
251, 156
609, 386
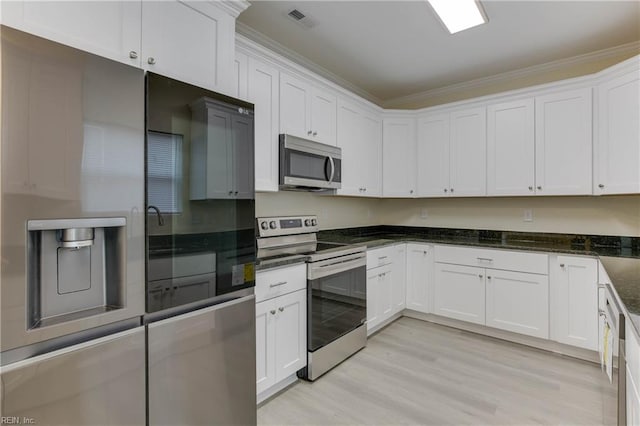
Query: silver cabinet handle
309, 132
446, 190
151, 60
133, 54
451, 189
601, 186
539, 187
315, 133
485, 258
531, 188
273, 312
479, 275
278, 284
382, 257
281, 309
562, 265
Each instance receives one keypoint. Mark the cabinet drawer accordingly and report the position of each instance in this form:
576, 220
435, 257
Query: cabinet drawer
380, 256
280, 281
533, 263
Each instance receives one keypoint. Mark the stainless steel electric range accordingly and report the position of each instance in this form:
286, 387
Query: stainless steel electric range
336, 288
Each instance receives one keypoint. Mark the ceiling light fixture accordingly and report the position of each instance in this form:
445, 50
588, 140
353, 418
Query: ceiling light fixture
458, 15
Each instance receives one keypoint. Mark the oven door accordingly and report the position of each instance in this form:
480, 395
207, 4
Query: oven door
308, 164
336, 299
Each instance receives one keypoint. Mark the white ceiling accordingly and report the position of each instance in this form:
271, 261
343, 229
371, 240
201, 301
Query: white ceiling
392, 49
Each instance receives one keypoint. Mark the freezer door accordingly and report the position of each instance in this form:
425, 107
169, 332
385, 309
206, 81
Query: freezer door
202, 366
100, 382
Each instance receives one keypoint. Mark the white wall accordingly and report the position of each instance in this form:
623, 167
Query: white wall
614, 215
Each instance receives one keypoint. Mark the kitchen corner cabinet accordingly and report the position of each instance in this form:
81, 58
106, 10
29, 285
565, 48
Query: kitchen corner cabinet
564, 143
617, 150
359, 135
399, 157
452, 151
306, 111
574, 301
511, 148
419, 277
263, 90
221, 143
108, 28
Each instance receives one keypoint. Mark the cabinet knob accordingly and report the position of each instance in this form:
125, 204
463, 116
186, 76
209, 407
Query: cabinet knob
411, 192
236, 192
425, 252
315, 133
281, 309
539, 187
309, 132
562, 265
230, 192
364, 189
479, 275
531, 188
446, 190
133, 54
273, 312
600, 186
452, 190
488, 277
151, 60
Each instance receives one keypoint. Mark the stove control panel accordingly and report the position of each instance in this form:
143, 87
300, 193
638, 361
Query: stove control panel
286, 225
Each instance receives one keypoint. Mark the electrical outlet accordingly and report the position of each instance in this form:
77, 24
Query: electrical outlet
528, 215
424, 214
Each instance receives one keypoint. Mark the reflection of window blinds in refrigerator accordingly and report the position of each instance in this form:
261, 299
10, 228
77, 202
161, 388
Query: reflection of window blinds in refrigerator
164, 171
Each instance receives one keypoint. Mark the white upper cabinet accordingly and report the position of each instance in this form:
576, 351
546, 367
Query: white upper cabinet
263, 91
192, 42
399, 157
433, 155
106, 28
511, 148
240, 79
359, 135
305, 111
617, 150
563, 143
468, 153
452, 150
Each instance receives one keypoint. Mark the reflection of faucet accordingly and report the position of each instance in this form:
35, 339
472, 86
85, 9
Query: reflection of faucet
160, 219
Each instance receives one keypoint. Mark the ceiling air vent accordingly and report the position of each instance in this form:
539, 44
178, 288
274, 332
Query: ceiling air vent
300, 18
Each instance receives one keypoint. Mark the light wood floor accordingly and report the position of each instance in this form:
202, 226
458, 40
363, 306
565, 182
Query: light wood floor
415, 372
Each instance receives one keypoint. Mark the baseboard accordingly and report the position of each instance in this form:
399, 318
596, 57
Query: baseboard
277, 389
384, 323
535, 342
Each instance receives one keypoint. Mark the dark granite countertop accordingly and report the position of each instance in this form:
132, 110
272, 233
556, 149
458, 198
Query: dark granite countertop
620, 256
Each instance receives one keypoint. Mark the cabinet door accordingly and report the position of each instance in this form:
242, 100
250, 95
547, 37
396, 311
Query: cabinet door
370, 166
106, 374
419, 276
399, 157
240, 79
107, 28
468, 166
574, 301
433, 156
633, 400
291, 333
399, 275
459, 292
563, 143
618, 150
373, 285
350, 140
511, 148
385, 293
265, 345
518, 302
323, 117
189, 41
242, 167
263, 91
295, 109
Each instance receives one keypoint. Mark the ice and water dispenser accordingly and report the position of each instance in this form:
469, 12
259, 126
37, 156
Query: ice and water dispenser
76, 269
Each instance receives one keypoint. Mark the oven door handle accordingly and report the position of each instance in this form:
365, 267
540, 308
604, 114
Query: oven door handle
335, 266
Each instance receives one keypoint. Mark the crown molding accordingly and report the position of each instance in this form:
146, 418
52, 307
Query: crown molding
232, 7
298, 59
416, 98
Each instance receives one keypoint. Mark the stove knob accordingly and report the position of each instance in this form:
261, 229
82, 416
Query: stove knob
307, 222
272, 224
264, 225
314, 222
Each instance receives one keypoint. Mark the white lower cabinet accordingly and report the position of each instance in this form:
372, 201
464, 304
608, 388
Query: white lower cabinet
459, 292
399, 275
386, 284
281, 325
379, 295
419, 277
518, 302
633, 400
574, 301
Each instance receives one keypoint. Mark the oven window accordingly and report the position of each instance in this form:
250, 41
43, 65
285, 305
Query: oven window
337, 304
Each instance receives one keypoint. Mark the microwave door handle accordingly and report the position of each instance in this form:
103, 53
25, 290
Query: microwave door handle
333, 169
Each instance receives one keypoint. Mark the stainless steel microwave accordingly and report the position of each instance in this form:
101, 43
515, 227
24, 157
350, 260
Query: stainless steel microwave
309, 165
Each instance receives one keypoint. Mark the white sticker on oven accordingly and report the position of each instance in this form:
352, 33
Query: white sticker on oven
237, 275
